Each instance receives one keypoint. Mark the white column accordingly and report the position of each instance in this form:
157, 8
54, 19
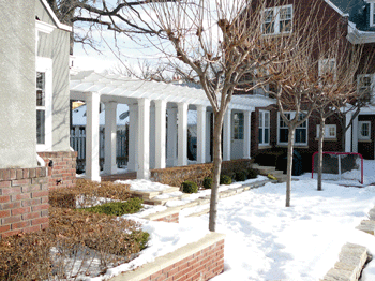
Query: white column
182, 134
348, 133
92, 137
355, 135
133, 136
160, 131
172, 137
152, 137
143, 171
247, 135
226, 136
201, 133
110, 129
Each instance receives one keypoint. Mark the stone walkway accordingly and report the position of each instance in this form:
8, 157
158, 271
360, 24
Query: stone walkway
353, 257
173, 194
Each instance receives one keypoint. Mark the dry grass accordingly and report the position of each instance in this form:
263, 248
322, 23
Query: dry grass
88, 193
77, 243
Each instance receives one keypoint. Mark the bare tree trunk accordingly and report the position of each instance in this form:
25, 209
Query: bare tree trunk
216, 151
320, 149
291, 136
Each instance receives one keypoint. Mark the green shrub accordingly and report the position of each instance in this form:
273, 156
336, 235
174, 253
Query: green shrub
141, 238
133, 205
241, 176
207, 183
224, 179
189, 187
252, 173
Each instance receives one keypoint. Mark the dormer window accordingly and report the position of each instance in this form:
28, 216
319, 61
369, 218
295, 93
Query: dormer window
277, 20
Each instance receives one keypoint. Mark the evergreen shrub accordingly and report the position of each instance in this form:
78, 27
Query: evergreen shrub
241, 176
207, 183
224, 179
189, 187
252, 173
117, 209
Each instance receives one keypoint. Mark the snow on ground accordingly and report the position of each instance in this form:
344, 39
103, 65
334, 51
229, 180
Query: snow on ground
267, 241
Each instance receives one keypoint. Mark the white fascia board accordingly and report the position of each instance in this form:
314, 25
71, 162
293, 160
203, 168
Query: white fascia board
54, 17
336, 9
356, 36
44, 27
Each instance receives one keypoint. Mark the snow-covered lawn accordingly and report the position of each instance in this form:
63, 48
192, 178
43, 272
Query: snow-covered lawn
267, 241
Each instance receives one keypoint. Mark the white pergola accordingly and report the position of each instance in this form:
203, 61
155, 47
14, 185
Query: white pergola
149, 103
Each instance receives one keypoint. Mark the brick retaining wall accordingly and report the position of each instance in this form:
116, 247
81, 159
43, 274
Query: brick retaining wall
62, 170
23, 200
197, 261
170, 218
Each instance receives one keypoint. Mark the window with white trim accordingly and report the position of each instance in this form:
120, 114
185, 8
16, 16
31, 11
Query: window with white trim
282, 130
364, 130
238, 126
277, 20
43, 97
372, 14
366, 86
264, 127
329, 132
327, 71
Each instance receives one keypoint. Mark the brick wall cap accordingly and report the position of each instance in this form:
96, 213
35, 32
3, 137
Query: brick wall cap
170, 258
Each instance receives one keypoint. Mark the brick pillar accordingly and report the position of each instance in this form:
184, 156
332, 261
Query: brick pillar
23, 200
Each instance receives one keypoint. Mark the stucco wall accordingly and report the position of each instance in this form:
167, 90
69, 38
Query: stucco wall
56, 46
17, 84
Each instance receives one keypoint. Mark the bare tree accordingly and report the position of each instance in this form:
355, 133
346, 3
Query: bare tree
300, 88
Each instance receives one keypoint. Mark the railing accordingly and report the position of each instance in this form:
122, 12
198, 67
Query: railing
78, 143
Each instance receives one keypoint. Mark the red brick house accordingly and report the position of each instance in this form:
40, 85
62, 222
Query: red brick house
269, 133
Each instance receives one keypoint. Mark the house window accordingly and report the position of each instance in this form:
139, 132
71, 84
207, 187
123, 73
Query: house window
264, 128
282, 130
364, 128
327, 71
238, 126
43, 96
277, 20
366, 86
329, 132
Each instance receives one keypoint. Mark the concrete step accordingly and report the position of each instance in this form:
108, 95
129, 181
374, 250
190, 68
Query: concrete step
198, 214
146, 195
264, 170
277, 173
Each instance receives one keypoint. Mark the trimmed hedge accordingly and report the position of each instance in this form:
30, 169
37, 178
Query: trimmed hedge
175, 176
207, 183
224, 179
189, 187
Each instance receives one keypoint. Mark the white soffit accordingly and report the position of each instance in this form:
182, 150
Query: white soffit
85, 82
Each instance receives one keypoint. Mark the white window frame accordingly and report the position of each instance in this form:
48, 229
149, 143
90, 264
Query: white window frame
372, 14
328, 128
45, 65
292, 115
360, 136
276, 19
324, 62
360, 87
262, 125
